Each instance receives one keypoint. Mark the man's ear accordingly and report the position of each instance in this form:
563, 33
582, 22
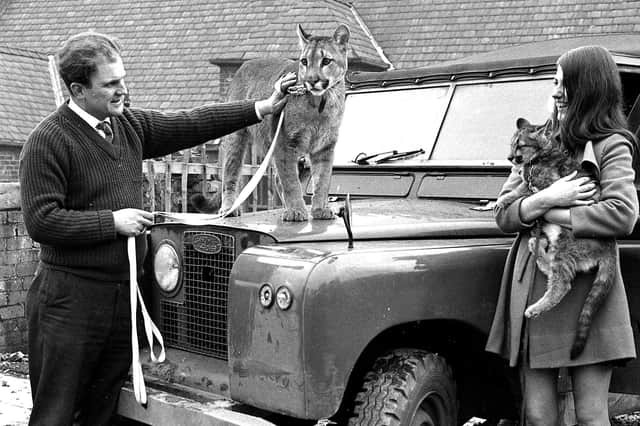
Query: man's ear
77, 90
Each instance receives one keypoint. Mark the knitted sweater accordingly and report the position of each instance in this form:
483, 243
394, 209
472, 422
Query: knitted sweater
71, 179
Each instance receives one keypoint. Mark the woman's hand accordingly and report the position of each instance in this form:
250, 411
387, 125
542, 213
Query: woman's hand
565, 192
569, 191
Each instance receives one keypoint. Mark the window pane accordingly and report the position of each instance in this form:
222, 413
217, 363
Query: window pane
403, 120
482, 118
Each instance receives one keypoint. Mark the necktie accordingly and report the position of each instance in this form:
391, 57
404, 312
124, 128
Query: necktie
106, 128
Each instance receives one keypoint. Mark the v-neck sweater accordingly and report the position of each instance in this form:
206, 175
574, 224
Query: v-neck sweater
72, 180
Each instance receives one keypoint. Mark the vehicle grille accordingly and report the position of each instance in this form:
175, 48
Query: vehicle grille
198, 322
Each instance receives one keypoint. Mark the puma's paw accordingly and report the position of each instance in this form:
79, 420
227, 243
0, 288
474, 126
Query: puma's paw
322, 213
532, 312
295, 215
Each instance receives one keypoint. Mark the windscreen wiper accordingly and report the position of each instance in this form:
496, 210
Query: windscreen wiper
399, 156
363, 159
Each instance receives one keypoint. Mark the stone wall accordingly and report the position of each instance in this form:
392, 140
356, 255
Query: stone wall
18, 261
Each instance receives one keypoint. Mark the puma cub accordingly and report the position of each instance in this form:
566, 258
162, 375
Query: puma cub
310, 125
560, 255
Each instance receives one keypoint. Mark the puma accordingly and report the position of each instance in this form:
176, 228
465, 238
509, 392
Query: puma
310, 126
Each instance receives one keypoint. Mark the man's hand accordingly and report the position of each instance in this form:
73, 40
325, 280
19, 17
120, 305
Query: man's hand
279, 97
132, 222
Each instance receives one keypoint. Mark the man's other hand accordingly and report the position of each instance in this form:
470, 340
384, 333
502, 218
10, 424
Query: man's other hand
132, 222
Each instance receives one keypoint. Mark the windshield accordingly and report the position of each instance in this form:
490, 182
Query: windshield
480, 119
376, 122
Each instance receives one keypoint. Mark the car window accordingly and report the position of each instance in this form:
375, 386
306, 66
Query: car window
482, 118
401, 120
479, 122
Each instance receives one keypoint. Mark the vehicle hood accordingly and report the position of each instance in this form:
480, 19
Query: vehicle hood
371, 219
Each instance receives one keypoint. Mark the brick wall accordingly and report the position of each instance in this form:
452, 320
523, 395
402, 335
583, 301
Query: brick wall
9, 163
18, 261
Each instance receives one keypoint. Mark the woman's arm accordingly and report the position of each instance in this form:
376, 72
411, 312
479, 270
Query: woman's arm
552, 202
615, 214
507, 214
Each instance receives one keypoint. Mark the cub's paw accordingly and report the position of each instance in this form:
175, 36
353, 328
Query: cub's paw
532, 312
323, 213
295, 215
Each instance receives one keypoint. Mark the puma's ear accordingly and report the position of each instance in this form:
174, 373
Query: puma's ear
303, 37
522, 122
341, 36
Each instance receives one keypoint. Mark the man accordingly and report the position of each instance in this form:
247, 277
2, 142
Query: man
80, 182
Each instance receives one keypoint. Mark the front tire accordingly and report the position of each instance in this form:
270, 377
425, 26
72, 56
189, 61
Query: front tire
407, 387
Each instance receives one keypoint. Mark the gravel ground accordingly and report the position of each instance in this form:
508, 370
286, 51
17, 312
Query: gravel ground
626, 420
16, 395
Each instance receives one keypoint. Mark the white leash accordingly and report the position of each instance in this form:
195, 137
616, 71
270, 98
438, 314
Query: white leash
150, 328
255, 179
203, 219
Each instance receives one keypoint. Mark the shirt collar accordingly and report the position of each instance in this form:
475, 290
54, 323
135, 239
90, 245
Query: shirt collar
90, 119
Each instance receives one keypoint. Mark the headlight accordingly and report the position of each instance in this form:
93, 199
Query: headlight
166, 267
266, 295
284, 298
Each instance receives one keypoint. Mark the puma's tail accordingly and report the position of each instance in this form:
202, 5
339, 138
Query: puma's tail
600, 289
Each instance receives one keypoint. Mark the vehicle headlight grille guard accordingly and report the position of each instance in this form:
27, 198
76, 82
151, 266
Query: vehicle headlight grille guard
197, 321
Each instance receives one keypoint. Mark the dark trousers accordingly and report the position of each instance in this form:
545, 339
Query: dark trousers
79, 347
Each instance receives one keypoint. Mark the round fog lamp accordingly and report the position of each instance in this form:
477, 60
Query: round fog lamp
284, 298
166, 267
266, 295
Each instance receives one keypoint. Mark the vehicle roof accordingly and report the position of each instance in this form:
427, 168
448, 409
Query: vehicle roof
525, 59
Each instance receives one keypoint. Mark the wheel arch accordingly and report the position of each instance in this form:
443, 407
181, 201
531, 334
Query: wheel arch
462, 346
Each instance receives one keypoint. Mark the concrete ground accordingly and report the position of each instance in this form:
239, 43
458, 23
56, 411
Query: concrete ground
16, 400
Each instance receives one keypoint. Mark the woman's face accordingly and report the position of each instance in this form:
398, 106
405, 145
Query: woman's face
559, 94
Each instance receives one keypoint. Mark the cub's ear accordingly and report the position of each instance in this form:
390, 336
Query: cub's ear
522, 122
303, 37
341, 36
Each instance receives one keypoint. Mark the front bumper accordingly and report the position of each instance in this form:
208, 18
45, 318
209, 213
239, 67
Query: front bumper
187, 389
166, 408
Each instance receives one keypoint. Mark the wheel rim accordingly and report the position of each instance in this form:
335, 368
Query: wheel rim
430, 412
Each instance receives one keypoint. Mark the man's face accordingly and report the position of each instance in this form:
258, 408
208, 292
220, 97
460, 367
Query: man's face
105, 95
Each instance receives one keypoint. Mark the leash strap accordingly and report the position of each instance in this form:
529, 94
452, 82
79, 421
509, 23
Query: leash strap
203, 219
255, 179
150, 328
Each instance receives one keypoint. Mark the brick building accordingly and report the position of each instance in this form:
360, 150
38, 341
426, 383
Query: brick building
181, 54
24, 79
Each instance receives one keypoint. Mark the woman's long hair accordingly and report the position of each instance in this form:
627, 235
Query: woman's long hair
594, 95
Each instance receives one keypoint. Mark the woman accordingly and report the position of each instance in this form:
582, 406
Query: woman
589, 123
